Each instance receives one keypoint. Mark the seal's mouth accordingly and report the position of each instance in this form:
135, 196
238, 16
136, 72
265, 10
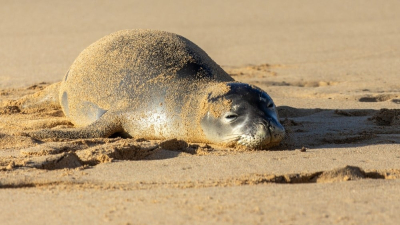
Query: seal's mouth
258, 135
263, 136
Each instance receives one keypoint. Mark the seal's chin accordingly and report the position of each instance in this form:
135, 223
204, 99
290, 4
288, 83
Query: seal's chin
261, 136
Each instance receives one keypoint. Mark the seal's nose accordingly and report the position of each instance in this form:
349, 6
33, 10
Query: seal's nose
276, 130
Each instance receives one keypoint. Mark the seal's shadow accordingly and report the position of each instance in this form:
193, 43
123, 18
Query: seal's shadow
330, 128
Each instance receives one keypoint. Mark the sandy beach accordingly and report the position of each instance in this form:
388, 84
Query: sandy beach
332, 68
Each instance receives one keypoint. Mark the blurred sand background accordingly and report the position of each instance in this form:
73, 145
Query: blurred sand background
330, 66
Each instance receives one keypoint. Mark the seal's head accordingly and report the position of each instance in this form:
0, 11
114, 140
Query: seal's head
242, 115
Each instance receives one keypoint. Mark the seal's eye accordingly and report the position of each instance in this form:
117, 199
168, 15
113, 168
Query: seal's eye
231, 117
270, 105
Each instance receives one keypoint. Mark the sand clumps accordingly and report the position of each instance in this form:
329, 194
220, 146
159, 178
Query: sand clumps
387, 117
77, 153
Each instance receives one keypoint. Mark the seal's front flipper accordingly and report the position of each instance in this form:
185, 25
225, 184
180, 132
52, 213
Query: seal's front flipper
45, 98
105, 126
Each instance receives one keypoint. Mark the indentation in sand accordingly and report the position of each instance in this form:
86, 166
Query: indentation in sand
301, 83
378, 98
265, 72
252, 71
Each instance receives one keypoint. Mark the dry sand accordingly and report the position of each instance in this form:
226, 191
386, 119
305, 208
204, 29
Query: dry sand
331, 67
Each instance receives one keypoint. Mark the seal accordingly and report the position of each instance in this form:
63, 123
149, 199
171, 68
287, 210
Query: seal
159, 85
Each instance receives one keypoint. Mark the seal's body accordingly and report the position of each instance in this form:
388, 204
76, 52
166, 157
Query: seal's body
158, 85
